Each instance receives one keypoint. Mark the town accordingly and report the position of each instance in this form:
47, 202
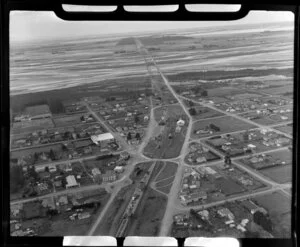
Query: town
187, 153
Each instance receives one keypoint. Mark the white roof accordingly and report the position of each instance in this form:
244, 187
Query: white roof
71, 180
102, 137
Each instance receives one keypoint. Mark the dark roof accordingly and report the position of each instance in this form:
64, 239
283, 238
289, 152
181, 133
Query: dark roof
84, 143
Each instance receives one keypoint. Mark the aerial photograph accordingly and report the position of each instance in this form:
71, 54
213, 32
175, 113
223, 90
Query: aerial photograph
151, 128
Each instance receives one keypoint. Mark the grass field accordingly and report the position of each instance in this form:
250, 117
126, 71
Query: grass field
169, 170
165, 189
229, 187
280, 174
204, 112
286, 129
164, 182
279, 208
226, 124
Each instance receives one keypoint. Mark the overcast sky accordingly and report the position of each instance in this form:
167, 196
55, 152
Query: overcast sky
30, 25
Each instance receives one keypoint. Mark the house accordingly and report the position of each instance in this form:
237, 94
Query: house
48, 203
84, 215
252, 207
251, 146
177, 129
71, 182
67, 167
103, 139
63, 200
82, 144
180, 122
193, 197
52, 168
109, 176
204, 214
119, 169
96, 172
57, 183
225, 212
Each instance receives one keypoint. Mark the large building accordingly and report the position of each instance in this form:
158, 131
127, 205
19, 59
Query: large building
103, 139
38, 112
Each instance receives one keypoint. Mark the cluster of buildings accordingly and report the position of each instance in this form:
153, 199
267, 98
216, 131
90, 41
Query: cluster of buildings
24, 216
62, 134
251, 104
191, 190
262, 161
220, 218
271, 113
248, 142
199, 154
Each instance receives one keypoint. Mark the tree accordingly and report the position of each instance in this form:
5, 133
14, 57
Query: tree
138, 136
191, 103
129, 137
192, 111
32, 173
64, 148
136, 118
262, 220
51, 154
204, 93
36, 157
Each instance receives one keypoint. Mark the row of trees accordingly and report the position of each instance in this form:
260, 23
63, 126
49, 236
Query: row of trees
130, 136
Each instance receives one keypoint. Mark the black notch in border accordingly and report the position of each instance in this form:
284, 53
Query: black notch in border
121, 14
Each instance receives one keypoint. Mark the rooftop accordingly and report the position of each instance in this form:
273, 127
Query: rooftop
102, 137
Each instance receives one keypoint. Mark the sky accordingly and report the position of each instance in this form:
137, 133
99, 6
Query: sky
32, 26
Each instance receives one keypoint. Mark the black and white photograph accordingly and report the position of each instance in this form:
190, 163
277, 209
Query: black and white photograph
151, 128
